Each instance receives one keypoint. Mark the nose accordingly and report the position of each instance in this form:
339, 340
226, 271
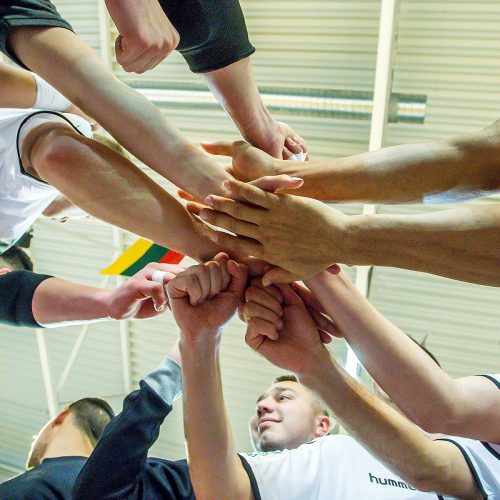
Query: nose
265, 406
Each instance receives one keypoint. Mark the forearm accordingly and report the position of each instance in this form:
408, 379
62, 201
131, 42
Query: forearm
461, 243
109, 187
396, 441
460, 168
215, 469
412, 380
78, 72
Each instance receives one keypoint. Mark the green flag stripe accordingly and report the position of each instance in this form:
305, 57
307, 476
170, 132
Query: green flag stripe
153, 254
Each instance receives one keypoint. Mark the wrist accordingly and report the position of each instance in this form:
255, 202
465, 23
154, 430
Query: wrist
319, 363
199, 342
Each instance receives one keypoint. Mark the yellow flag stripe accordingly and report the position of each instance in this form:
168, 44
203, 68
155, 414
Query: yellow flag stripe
134, 252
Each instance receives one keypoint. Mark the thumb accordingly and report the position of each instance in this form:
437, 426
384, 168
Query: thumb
274, 183
289, 296
334, 269
277, 275
224, 148
238, 274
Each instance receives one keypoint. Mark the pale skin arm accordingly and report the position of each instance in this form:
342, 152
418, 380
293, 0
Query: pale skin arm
235, 89
17, 87
202, 300
460, 167
108, 186
427, 465
460, 243
77, 71
467, 407
57, 302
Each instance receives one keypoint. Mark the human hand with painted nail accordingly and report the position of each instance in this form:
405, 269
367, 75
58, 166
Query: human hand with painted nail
300, 235
205, 296
298, 344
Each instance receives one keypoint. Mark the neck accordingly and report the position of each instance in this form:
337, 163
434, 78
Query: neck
69, 444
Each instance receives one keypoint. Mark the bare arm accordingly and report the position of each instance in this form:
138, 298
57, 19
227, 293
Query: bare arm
17, 87
77, 71
215, 469
467, 407
110, 187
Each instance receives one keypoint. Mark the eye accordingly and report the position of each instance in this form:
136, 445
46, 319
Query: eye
283, 396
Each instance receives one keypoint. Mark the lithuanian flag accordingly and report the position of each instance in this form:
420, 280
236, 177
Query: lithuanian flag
142, 252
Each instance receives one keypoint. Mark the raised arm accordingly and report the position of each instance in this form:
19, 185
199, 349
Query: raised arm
115, 467
202, 300
427, 465
443, 171
467, 407
304, 236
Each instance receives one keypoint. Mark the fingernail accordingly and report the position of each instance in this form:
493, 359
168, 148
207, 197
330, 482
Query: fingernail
214, 237
296, 179
280, 325
159, 308
296, 139
204, 215
209, 201
226, 184
266, 282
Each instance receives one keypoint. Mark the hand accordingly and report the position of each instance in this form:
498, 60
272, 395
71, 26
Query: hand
298, 347
77, 111
204, 297
300, 235
248, 162
266, 303
140, 297
146, 34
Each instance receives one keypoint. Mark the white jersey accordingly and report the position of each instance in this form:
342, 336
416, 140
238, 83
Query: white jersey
328, 468
483, 458
22, 197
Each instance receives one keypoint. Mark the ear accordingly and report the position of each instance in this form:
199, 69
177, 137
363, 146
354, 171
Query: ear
59, 419
323, 426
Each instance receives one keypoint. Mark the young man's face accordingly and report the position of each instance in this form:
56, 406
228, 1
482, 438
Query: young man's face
286, 417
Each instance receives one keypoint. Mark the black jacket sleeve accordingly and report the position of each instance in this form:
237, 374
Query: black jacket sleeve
116, 466
16, 296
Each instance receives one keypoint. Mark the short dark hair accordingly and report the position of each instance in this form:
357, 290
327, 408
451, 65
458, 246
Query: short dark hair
16, 259
91, 416
421, 344
289, 377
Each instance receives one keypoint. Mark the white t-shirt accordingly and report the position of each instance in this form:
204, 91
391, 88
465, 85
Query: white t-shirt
328, 468
483, 458
22, 197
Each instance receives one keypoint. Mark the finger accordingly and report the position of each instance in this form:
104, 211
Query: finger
250, 193
194, 207
278, 275
222, 258
324, 337
289, 296
238, 274
307, 297
273, 183
270, 289
184, 195
257, 331
298, 140
253, 310
202, 273
334, 269
292, 145
215, 278
324, 322
229, 223
234, 208
287, 154
237, 244
150, 289
224, 148
261, 297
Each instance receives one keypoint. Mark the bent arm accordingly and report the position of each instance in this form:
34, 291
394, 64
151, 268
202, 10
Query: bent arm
466, 407
427, 465
222, 474
17, 87
456, 169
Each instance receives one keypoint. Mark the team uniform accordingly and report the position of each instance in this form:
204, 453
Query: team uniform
213, 35
16, 296
23, 198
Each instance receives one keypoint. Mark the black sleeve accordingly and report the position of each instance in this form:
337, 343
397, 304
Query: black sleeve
115, 468
16, 296
213, 33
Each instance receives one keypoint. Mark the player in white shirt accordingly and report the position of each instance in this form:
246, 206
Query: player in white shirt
327, 467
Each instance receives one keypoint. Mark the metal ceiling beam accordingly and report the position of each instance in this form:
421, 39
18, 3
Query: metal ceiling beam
50, 393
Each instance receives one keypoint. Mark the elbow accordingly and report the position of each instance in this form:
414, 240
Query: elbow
437, 478
447, 421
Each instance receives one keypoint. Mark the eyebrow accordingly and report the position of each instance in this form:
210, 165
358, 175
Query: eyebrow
278, 390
